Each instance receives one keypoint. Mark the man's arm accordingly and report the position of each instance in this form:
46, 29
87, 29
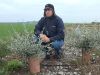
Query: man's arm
39, 27
60, 31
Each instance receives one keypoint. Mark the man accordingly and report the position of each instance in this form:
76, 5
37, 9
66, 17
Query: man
50, 28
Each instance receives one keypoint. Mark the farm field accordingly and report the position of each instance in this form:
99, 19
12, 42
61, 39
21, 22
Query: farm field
72, 30
7, 29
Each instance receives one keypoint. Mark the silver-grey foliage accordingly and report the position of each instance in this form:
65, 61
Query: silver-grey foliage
24, 45
79, 38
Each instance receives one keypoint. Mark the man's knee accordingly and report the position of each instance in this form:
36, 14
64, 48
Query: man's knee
57, 44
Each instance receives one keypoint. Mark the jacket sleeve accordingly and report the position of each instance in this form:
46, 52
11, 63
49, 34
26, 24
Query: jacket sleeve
39, 27
60, 31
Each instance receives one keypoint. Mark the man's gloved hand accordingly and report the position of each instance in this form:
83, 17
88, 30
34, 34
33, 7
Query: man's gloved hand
44, 38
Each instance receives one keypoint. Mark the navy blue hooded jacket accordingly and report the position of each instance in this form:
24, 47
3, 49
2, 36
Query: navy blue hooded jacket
52, 27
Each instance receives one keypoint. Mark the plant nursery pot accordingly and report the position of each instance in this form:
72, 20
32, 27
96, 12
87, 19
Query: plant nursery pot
86, 58
34, 65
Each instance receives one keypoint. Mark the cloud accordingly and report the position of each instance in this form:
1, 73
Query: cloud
69, 10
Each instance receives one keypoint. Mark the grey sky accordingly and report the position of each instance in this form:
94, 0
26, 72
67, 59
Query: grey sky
68, 10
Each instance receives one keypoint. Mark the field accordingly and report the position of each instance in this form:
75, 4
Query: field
8, 29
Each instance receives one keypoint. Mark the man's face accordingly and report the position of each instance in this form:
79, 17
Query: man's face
48, 12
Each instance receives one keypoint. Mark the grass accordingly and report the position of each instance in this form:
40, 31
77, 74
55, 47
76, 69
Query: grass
7, 29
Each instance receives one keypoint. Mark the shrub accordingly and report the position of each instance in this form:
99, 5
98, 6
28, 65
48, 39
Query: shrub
83, 38
24, 45
88, 39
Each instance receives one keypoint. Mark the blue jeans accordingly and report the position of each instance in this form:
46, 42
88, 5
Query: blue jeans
57, 46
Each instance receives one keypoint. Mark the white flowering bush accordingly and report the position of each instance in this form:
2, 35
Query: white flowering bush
25, 46
83, 38
89, 39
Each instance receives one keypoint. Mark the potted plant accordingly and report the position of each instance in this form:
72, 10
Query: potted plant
85, 46
86, 43
82, 40
25, 46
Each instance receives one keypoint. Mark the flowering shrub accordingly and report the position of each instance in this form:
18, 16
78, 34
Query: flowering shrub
24, 45
83, 38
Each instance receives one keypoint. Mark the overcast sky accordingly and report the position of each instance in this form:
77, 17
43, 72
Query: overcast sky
68, 10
